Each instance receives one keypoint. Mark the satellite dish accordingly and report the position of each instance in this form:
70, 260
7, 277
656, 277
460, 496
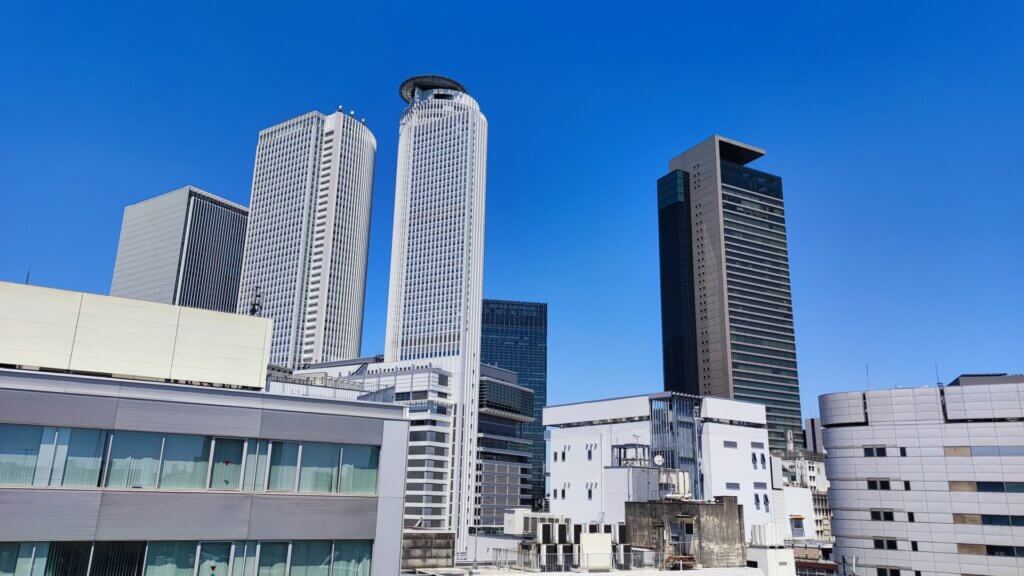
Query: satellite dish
659, 460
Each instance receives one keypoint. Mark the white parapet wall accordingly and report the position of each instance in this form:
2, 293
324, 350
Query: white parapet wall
63, 330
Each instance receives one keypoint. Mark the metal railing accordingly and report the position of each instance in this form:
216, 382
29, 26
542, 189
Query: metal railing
574, 562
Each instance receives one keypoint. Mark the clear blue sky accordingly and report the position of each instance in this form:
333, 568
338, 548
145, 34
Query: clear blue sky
897, 128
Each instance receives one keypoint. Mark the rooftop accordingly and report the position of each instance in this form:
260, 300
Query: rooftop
427, 82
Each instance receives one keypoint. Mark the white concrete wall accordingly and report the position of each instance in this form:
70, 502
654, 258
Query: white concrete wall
730, 471
576, 472
800, 504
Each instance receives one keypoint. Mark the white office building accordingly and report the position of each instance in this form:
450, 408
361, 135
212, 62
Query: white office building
928, 481
183, 247
607, 452
436, 288
307, 242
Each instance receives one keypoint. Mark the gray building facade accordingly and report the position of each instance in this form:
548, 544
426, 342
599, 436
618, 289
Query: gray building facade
183, 247
514, 336
105, 476
727, 309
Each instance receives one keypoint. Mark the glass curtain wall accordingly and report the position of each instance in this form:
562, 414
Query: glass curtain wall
121, 459
187, 558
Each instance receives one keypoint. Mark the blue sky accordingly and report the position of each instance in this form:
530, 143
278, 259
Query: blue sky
896, 127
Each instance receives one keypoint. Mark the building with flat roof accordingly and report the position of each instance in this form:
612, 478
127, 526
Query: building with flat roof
514, 336
134, 442
727, 308
928, 481
183, 247
598, 452
307, 243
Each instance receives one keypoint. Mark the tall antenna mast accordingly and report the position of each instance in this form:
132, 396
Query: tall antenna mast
938, 381
28, 274
867, 376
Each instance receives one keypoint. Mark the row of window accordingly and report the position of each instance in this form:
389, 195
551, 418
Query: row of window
188, 558
983, 450
972, 486
990, 550
885, 484
83, 457
988, 519
880, 451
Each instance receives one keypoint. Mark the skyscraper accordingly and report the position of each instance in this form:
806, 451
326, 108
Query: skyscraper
307, 243
436, 287
727, 310
514, 336
184, 248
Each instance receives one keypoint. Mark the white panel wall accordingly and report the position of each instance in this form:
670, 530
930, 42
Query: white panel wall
62, 330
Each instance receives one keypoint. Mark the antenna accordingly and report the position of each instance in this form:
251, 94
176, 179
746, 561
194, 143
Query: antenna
938, 381
867, 375
28, 274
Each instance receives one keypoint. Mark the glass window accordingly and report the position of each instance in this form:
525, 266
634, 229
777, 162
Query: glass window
990, 487
273, 559
134, 460
86, 451
116, 558
244, 563
68, 558
8, 558
227, 464
984, 451
214, 558
171, 559
255, 466
359, 470
186, 460
19, 450
319, 473
284, 457
311, 557
351, 558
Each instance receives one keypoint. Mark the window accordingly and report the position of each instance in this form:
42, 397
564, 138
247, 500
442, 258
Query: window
760, 485
134, 460
359, 466
590, 454
878, 484
19, 449
956, 450
320, 466
753, 460
767, 507
913, 545
882, 515
185, 462
874, 451
757, 501
906, 484
903, 451
310, 558
85, 455
554, 456
563, 493
170, 559
214, 558
910, 516
227, 464
273, 560
729, 444
732, 485
885, 544
762, 462
882, 571
590, 493
284, 458
797, 527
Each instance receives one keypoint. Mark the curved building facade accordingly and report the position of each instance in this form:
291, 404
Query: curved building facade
436, 287
307, 243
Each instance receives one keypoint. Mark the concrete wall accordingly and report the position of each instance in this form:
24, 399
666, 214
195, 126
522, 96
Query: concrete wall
718, 529
726, 467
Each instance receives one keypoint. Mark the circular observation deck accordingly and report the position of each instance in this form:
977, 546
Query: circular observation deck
408, 88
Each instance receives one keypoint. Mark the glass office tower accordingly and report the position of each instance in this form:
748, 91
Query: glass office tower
727, 309
514, 336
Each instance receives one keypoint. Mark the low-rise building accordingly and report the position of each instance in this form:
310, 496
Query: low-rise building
605, 453
136, 440
928, 481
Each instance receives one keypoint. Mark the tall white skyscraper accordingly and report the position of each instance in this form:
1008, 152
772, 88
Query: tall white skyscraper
306, 245
436, 288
